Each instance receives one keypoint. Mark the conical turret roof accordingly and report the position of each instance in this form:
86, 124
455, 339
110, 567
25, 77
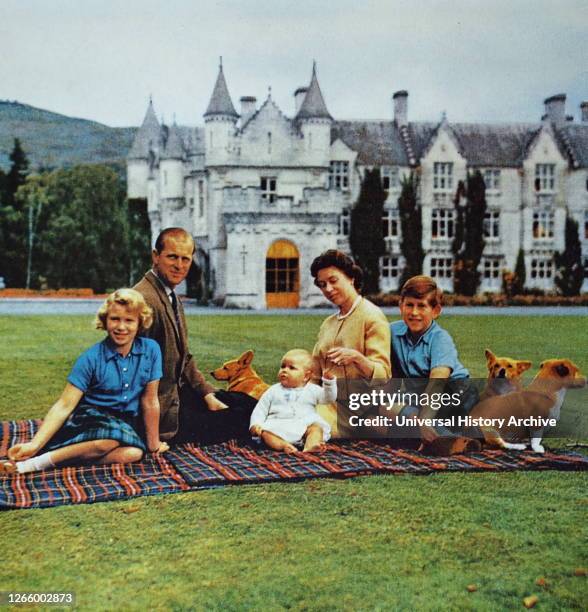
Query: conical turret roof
220, 101
174, 147
147, 135
313, 106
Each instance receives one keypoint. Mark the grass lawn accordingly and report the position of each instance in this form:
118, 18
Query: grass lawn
385, 542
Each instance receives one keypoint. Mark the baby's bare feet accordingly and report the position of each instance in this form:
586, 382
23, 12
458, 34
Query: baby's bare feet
7, 466
317, 447
290, 449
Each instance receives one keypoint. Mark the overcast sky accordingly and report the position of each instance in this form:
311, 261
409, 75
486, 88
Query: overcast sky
492, 60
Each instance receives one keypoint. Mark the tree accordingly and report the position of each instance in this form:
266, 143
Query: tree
85, 242
569, 274
18, 172
139, 240
12, 220
468, 243
366, 236
411, 227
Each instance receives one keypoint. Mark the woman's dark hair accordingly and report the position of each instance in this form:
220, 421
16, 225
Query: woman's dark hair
338, 260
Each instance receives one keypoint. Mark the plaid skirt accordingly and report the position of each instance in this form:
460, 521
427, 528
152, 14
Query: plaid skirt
89, 422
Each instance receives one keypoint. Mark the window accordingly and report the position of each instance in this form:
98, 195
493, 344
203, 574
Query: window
389, 267
441, 267
442, 176
542, 225
344, 222
541, 268
281, 274
391, 223
545, 177
339, 175
490, 268
442, 223
268, 188
492, 179
390, 178
200, 198
492, 225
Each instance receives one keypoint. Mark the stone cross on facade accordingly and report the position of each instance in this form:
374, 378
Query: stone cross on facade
244, 252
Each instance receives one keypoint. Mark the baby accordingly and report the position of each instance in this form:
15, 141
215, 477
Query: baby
286, 413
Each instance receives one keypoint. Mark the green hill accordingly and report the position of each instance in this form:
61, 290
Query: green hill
52, 140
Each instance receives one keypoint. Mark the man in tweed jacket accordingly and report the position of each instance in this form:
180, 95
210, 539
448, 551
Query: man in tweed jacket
191, 409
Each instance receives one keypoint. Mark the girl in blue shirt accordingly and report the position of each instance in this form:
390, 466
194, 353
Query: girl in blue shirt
97, 418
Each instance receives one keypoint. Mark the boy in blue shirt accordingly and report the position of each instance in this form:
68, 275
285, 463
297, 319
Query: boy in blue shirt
424, 356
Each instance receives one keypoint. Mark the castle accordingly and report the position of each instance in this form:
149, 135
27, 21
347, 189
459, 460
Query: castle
263, 193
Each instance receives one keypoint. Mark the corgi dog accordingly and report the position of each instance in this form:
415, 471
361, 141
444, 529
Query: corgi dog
241, 377
504, 375
540, 401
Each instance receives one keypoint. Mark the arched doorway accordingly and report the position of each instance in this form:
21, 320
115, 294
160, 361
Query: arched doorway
282, 275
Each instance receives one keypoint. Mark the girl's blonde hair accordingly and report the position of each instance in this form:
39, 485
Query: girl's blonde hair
131, 299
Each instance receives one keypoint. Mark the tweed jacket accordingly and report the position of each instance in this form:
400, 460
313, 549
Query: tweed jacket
179, 367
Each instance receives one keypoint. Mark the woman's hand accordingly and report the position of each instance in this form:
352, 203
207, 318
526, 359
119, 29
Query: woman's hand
20, 452
343, 356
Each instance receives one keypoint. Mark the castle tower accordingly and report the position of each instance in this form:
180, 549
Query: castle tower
315, 122
144, 147
171, 165
220, 119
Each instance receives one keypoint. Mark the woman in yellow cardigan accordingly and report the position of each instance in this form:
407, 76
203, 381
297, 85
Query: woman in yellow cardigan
353, 343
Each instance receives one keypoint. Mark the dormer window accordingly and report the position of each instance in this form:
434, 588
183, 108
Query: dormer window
389, 178
339, 175
492, 179
442, 176
545, 178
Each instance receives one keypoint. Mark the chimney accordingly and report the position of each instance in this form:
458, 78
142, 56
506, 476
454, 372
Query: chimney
584, 111
555, 109
299, 96
247, 108
400, 100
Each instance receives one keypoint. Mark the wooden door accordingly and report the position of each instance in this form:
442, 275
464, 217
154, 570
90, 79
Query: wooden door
282, 275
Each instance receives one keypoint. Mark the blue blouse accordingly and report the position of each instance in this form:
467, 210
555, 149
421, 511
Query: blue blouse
110, 380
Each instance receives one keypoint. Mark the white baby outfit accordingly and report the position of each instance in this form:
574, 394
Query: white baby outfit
288, 413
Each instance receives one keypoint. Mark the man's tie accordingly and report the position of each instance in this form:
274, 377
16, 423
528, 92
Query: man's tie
174, 301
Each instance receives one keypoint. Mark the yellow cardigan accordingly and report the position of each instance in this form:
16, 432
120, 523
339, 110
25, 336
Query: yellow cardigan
366, 330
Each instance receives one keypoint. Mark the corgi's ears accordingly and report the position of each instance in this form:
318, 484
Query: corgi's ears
490, 356
523, 366
246, 358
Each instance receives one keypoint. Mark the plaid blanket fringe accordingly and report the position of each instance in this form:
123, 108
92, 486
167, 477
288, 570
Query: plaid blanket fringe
189, 467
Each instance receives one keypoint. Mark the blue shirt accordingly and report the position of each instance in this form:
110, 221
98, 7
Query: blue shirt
112, 381
416, 358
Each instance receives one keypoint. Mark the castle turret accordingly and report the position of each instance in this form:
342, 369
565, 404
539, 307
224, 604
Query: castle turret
315, 121
171, 165
143, 149
220, 119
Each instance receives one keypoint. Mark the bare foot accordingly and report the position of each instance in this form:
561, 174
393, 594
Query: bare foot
317, 447
289, 449
7, 466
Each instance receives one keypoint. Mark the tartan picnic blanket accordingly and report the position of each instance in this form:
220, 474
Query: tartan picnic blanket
190, 467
